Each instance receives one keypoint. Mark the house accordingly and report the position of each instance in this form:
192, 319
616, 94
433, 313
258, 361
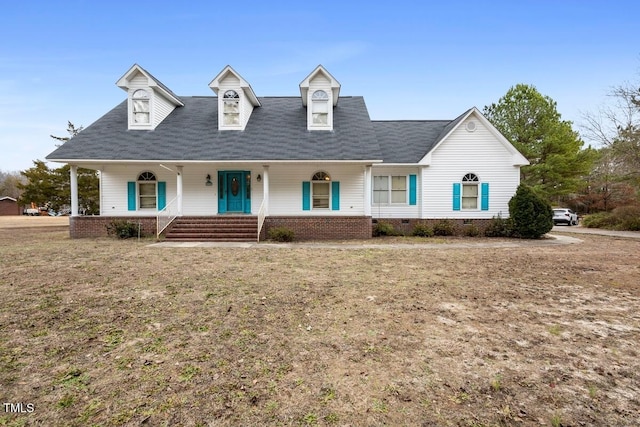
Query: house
9, 206
235, 165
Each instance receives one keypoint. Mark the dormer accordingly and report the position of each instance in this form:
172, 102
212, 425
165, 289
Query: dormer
149, 102
320, 91
236, 99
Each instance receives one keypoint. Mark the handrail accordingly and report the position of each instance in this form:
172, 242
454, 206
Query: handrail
261, 217
166, 215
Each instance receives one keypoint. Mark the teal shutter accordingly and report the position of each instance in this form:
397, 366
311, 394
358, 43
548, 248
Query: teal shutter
306, 196
131, 195
162, 195
412, 190
456, 196
335, 196
484, 188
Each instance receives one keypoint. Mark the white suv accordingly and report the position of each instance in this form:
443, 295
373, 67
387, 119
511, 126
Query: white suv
564, 216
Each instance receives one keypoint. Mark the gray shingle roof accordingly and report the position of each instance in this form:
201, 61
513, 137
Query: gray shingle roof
276, 131
408, 141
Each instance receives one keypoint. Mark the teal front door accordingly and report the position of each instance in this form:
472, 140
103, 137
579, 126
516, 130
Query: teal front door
235, 193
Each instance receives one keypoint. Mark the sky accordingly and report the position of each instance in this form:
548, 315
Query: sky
418, 60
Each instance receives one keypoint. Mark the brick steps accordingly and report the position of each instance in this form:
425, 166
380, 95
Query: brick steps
223, 228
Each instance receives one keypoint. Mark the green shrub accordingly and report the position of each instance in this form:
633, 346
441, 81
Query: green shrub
281, 234
384, 229
622, 218
598, 220
124, 229
471, 230
444, 227
532, 215
499, 227
422, 230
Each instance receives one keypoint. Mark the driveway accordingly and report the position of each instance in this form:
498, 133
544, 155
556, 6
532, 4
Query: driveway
599, 231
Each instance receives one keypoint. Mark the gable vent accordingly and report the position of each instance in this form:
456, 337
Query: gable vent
471, 126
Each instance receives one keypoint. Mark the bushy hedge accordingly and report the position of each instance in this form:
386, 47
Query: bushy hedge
444, 227
622, 218
422, 230
281, 234
124, 229
500, 227
532, 215
384, 229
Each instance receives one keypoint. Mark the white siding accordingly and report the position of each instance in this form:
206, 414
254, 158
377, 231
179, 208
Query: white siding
394, 210
285, 188
477, 152
114, 200
199, 199
161, 109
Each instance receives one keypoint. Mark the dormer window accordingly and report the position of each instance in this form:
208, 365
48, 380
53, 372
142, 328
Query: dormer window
140, 104
320, 108
231, 108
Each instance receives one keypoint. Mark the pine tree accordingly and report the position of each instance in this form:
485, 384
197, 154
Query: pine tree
534, 126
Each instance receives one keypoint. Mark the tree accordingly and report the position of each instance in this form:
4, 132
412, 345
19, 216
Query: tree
9, 184
617, 128
71, 129
52, 187
532, 215
534, 126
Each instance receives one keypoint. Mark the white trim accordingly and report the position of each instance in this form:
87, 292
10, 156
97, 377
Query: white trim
213, 162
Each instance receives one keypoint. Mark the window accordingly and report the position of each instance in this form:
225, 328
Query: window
470, 191
140, 104
147, 190
320, 184
380, 189
320, 108
231, 108
383, 194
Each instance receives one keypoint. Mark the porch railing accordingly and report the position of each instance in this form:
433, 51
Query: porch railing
261, 216
166, 215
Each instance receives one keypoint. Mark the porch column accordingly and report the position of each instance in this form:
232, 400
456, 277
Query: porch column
73, 172
367, 190
179, 189
265, 188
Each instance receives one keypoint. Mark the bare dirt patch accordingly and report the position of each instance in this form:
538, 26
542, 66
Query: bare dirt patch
107, 332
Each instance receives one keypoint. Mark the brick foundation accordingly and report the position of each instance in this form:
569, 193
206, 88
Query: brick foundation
321, 228
406, 225
96, 226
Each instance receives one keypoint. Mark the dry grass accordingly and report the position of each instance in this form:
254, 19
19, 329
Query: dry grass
106, 332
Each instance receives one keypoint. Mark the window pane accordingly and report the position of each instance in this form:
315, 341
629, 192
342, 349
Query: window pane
320, 189
399, 183
147, 189
231, 119
147, 202
320, 107
141, 106
141, 117
469, 191
231, 107
320, 118
469, 203
398, 196
380, 182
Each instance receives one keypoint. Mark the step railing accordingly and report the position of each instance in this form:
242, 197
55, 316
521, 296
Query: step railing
166, 216
261, 216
